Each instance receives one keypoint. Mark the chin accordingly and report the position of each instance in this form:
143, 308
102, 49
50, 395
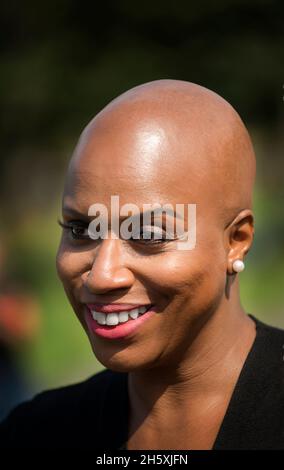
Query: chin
119, 361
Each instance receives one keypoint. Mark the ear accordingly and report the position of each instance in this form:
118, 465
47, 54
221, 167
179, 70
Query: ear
240, 237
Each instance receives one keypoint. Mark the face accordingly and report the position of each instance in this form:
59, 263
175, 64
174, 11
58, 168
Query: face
142, 164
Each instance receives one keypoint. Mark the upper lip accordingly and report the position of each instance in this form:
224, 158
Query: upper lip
110, 308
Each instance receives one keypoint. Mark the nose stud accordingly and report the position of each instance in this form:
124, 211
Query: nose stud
238, 265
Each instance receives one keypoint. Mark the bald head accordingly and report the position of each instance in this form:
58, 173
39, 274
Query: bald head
173, 134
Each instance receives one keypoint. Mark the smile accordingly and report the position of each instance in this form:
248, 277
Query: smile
114, 318
116, 321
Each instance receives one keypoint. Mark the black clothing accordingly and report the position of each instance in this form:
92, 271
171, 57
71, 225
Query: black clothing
94, 414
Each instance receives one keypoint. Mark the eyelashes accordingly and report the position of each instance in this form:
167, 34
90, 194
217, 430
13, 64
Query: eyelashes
78, 230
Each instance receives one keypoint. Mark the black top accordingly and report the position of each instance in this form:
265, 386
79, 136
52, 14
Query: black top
94, 414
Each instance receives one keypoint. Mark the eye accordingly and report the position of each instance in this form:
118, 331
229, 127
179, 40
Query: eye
78, 229
152, 235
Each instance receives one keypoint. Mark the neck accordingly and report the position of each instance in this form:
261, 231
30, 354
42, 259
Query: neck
209, 368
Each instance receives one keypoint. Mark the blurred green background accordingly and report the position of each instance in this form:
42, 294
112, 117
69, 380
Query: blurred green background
60, 63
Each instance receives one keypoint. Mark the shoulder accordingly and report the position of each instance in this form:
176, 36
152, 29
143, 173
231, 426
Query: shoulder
268, 331
62, 397
59, 413
257, 409
268, 351
267, 382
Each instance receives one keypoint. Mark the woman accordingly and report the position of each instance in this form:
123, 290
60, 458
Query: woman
186, 366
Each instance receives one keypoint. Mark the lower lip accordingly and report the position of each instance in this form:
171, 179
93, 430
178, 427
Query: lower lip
122, 330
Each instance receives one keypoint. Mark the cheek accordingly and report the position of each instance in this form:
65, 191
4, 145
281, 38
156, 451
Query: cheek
180, 270
197, 276
70, 265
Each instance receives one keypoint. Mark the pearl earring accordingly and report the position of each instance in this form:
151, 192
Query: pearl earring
238, 265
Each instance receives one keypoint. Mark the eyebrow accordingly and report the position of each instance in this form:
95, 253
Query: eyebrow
75, 213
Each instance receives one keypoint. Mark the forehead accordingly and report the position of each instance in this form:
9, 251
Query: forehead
143, 161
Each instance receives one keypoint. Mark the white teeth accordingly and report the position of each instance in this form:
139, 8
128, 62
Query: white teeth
112, 319
142, 309
123, 317
100, 317
94, 314
134, 313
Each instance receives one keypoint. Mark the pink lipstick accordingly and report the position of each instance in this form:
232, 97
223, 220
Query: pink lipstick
117, 321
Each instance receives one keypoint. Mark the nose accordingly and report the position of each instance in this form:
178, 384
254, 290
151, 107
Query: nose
108, 271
